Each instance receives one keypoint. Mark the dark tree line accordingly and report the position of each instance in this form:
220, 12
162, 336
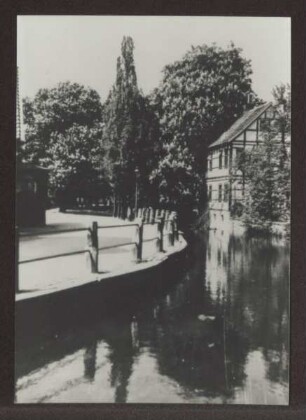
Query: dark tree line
94, 148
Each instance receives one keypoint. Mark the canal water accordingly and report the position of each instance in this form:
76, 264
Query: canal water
214, 329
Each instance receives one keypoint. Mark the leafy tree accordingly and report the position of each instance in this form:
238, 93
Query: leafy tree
76, 162
199, 97
54, 111
266, 173
282, 104
267, 187
64, 133
131, 130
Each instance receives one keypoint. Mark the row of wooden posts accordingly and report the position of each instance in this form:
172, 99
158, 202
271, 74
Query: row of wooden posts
163, 218
145, 216
148, 213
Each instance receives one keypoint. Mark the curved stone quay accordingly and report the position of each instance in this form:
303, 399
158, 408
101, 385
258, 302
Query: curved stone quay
67, 235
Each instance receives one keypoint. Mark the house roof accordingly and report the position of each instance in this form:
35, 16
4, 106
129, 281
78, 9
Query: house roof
241, 124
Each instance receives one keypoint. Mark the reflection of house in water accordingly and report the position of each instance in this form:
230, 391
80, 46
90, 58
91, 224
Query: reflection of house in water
217, 263
31, 198
256, 274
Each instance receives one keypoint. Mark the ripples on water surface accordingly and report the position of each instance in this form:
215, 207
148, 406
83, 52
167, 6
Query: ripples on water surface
216, 333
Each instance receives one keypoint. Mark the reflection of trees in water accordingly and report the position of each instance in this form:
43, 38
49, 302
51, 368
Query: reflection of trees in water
120, 333
191, 352
276, 349
123, 345
263, 270
90, 357
241, 282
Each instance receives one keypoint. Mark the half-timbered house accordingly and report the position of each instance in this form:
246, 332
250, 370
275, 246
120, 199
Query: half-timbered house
224, 194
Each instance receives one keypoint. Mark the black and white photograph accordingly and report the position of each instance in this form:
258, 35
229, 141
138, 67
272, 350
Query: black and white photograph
153, 208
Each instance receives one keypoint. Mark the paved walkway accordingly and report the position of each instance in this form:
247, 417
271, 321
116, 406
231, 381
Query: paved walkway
54, 273
56, 221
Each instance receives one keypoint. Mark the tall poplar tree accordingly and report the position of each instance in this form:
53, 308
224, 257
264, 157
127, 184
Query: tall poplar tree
130, 131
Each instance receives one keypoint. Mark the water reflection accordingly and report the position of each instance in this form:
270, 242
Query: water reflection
90, 356
123, 350
218, 334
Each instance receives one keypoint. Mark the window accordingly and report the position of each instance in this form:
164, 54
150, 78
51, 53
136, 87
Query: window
226, 158
220, 193
210, 192
238, 154
220, 160
226, 190
209, 163
264, 124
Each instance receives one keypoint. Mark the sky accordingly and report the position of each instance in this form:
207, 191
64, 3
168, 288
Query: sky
84, 49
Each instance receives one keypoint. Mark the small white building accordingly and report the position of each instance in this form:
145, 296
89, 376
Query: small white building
224, 194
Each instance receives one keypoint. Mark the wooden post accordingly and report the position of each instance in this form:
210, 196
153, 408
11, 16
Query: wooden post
172, 237
166, 215
153, 216
176, 228
140, 240
120, 209
114, 206
148, 220
17, 260
93, 246
161, 232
